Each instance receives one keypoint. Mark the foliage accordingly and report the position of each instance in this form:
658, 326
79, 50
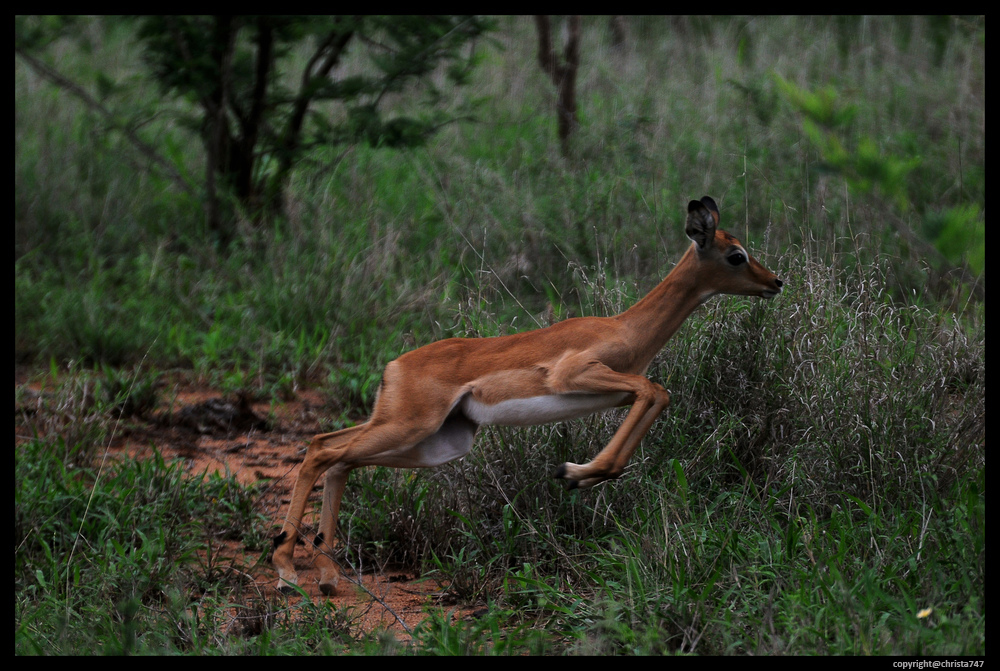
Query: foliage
865, 166
232, 72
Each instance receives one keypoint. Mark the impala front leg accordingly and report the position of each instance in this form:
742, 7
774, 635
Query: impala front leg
651, 399
611, 461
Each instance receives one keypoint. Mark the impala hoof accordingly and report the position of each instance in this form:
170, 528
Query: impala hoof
562, 474
287, 587
329, 576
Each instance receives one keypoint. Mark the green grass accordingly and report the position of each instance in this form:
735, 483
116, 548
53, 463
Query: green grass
816, 486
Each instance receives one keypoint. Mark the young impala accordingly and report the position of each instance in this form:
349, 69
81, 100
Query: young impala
433, 399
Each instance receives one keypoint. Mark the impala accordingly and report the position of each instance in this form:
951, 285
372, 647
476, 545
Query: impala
434, 398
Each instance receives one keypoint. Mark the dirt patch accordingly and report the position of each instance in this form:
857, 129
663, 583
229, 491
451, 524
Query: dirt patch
265, 441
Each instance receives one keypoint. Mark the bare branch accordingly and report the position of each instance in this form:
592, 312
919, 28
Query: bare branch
333, 47
60, 80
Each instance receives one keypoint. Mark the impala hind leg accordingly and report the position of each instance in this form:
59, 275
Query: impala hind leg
324, 451
333, 490
398, 444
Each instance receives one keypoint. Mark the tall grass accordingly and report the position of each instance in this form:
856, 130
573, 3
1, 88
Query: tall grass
686, 108
817, 485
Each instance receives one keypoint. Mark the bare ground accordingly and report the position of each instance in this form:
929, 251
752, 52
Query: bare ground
265, 441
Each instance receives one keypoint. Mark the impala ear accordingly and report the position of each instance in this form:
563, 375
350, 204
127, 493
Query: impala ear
712, 207
703, 217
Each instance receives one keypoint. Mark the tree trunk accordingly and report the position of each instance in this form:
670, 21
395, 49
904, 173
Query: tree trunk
563, 74
218, 145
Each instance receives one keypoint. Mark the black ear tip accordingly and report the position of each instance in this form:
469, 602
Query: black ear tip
695, 205
709, 203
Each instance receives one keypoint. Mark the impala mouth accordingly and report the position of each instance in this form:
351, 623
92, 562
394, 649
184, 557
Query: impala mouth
771, 293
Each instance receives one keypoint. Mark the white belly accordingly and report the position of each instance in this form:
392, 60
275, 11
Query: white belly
539, 409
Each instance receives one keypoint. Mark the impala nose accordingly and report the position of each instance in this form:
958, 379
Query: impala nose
768, 293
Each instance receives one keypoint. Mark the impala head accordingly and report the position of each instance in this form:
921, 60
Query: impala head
725, 265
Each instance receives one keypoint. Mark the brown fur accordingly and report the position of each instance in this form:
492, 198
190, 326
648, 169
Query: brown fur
424, 412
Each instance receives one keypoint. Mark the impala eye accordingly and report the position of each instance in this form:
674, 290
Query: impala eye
736, 259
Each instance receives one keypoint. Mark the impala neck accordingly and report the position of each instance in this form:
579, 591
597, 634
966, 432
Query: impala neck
658, 315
